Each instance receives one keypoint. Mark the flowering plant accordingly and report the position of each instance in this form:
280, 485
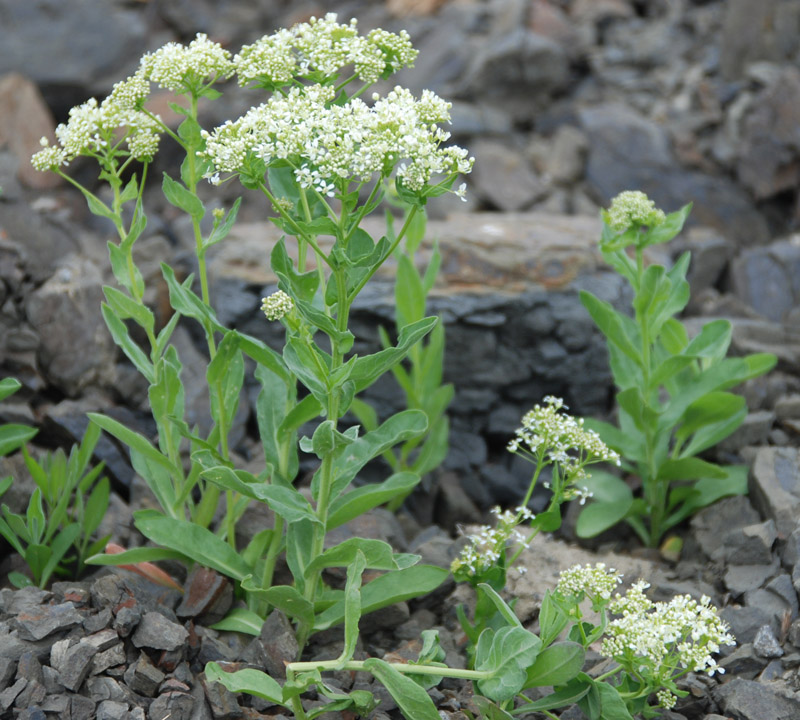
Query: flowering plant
321, 157
673, 400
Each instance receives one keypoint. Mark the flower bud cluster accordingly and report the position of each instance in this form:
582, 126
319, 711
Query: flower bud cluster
323, 46
584, 580
180, 68
486, 547
656, 638
632, 208
275, 306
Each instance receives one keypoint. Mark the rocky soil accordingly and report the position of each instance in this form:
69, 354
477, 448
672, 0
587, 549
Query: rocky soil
564, 103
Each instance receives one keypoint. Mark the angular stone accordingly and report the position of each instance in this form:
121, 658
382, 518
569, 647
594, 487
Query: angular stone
207, 594
753, 431
775, 486
745, 621
7, 669
74, 665
81, 708
172, 705
105, 688
112, 710
48, 620
112, 657
13, 647
279, 642
143, 677
765, 644
56, 704
98, 621
749, 699
9, 695
223, 703
502, 176
155, 631
743, 663
766, 278
102, 640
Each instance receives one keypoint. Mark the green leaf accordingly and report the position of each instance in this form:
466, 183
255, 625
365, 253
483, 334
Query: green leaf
226, 374
241, 620
398, 428
310, 365
378, 555
710, 419
690, 468
352, 604
387, 589
507, 654
556, 665
99, 208
96, 505
707, 491
119, 332
408, 292
613, 706
356, 502
201, 545
413, 701
711, 342
286, 598
619, 329
136, 555
252, 682
126, 307
276, 401
220, 232
671, 226
184, 301
301, 286
502, 607
552, 619
58, 548
369, 368
612, 500
182, 198
568, 695
8, 386
13, 435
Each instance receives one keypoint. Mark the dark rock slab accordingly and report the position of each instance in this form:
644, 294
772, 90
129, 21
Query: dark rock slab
207, 595
172, 705
9, 695
279, 643
143, 677
743, 662
73, 663
766, 645
767, 278
48, 620
112, 710
775, 486
157, 632
750, 700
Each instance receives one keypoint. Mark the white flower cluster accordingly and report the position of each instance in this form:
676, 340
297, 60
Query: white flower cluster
663, 636
94, 127
324, 46
178, 67
633, 208
275, 306
487, 545
546, 430
595, 582
327, 142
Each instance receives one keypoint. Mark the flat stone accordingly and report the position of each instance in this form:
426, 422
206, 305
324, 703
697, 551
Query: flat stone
9, 695
56, 704
775, 486
112, 657
223, 703
98, 621
744, 621
24, 600
102, 688
155, 631
765, 278
503, 177
13, 647
280, 645
754, 430
48, 620
7, 669
754, 701
81, 708
102, 640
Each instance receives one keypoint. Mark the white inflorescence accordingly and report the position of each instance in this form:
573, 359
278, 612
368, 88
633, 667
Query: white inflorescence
324, 46
93, 128
561, 439
487, 545
327, 142
663, 636
178, 67
633, 208
275, 306
595, 582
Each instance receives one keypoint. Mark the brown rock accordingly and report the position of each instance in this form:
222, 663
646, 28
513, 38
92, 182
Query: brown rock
24, 120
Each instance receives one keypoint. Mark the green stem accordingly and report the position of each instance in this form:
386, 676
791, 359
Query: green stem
405, 668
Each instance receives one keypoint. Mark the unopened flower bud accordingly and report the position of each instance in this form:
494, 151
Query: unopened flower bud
275, 306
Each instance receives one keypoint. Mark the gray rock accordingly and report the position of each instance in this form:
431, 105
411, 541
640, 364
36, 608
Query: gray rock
172, 705
278, 640
156, 632
56, 704
143, 677
751, 700
7, 669
9, 695
788, 407
109, 658
13, 647
502, 176
712, 525
783, 588
112, 710
743, 663
775, 486
754, 430
206, 594
223, 702
750, 545
518, 64
73, 663
767, 278
65, 312
48, 620
766, 645
81, 708
745, 621
566, 158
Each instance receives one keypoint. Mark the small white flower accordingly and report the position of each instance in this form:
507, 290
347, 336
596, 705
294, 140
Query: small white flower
633, 208
275, 306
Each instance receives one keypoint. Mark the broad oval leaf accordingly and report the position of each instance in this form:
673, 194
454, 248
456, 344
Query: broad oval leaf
556, 665
507, 654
